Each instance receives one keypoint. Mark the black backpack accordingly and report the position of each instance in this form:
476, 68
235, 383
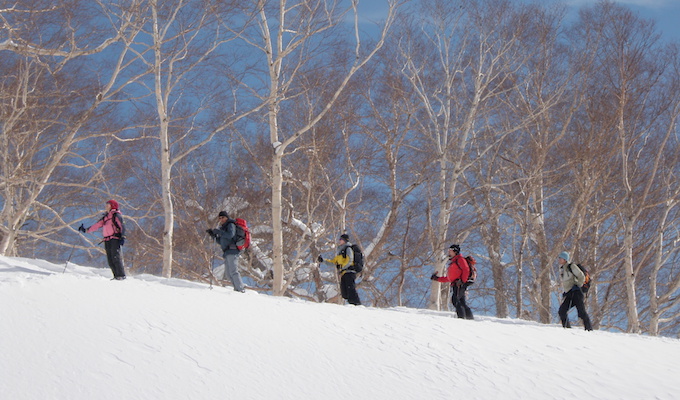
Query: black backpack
358, 258
587, 281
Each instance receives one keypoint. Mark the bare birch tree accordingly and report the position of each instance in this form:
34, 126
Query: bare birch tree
47, 110
289, 33
664, 279
395, 253
458, 69
631, 69
182, 37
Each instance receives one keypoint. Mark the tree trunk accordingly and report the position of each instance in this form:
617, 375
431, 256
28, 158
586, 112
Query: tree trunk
168, 207
277, 226
631, 297
440, 237
497, 269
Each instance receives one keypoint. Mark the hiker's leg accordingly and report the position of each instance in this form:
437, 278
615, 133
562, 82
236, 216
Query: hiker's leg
117, 258
350, 290
564, 310
581, 308
343, 286
463, 301
457, 301
231, 271
109, 256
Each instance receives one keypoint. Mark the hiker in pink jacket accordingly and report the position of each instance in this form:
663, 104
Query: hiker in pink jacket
113, 230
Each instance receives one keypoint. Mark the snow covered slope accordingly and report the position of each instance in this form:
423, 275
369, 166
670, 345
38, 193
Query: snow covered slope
79, 335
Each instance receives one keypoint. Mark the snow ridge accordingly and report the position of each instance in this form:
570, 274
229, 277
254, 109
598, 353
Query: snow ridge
78, 335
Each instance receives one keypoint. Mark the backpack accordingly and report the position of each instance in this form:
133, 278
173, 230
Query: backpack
116, 223
358, 257
473, 270
242, 236
587, 280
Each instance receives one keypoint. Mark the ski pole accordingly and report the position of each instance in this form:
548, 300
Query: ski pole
69, 258
210, 272
210, 265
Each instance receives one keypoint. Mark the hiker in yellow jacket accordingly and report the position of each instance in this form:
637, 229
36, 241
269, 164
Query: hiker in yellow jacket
344, 262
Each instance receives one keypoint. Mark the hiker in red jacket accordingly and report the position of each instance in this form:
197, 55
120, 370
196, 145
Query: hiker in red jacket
113, 230
457, 274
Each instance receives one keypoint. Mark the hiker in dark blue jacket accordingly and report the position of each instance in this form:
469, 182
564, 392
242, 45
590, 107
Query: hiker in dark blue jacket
225, 235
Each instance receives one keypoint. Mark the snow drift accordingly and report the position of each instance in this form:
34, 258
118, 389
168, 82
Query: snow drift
78, 335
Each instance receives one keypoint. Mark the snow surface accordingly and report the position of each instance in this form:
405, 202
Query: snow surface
78, 335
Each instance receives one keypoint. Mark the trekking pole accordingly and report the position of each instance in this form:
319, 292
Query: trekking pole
422, 301
210, 265
69, 258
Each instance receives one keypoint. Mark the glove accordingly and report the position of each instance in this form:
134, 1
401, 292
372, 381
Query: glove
434, 277
320, 259
122, 241
210, 232
82, 228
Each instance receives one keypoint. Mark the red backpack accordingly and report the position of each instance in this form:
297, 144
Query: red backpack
473, 270
242, 237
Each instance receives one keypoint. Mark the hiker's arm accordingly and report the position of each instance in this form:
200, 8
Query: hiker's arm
451, 274
579, 276
337, 260
230, 232
445, 278
331, 261
97, 225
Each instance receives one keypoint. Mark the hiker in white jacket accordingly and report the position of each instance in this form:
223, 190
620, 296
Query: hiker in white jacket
572, 280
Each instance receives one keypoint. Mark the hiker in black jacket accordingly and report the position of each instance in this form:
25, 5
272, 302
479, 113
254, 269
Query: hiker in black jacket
225, 235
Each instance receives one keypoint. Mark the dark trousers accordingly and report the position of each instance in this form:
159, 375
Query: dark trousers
458, 300
348, 288
114, 258
574, 298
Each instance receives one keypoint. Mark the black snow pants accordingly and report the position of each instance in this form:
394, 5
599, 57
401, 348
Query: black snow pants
348, 288
458, 300
574, 298
114, 257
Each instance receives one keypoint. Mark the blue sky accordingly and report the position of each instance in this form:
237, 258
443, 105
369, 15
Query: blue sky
666, 13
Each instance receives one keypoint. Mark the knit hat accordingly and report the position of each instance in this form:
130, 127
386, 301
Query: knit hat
455, 247
344, 237
564, 255
113, 203
223, 214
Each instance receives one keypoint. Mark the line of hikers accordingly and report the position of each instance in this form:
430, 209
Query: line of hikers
233, 237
